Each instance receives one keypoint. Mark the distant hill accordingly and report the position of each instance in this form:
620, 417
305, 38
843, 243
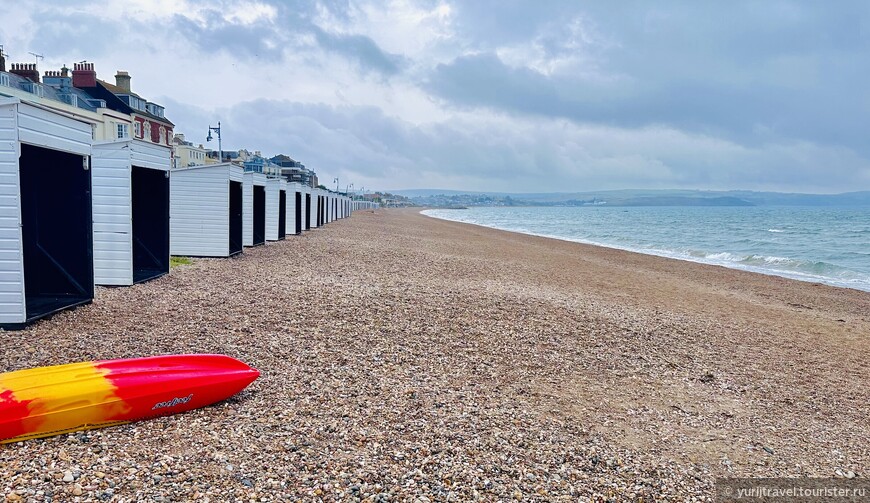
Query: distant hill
682, 201
650, 197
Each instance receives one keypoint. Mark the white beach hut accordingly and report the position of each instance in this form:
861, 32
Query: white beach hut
254, 200
205, 209
293, 209
296, 218
314, 209
46, 240
131, 211
306, 207
276, 208
286, 205
322, 200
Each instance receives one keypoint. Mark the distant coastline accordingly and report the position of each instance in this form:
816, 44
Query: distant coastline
814, 244
431, 198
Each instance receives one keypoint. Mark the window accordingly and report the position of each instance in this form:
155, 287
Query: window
36, 88
154, 109
137, 129
162, 137
148, 131
123, 131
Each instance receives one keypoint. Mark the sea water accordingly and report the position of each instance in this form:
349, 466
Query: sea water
821, 244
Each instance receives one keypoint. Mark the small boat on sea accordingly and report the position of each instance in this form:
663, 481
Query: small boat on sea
46, 401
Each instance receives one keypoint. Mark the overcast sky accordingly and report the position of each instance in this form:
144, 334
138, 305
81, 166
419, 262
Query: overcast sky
502, 95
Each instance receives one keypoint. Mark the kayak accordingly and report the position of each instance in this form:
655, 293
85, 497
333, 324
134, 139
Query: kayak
46, 401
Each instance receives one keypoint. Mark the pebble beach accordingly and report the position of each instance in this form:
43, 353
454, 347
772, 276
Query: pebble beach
406, 358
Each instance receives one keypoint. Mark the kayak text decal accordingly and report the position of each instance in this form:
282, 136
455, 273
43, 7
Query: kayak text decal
172, 403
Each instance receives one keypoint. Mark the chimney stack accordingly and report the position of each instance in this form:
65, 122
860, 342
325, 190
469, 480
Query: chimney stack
122, 80
26, 70
58, 79
84, 75
2, 60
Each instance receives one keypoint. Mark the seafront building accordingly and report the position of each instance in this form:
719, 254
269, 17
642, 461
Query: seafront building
149, 120
187, 154
56, 91
259, 164
98, 171
294, 171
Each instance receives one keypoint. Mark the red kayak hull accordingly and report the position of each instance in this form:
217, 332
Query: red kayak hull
48, 401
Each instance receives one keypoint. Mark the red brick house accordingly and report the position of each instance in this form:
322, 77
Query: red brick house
150, 122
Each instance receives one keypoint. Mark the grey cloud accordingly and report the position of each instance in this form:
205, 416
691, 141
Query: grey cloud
262, 41
747, 71
669, 94
360, 49
364, 143
65, 35
270, 40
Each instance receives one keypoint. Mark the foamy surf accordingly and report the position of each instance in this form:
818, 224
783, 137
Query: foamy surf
822, 245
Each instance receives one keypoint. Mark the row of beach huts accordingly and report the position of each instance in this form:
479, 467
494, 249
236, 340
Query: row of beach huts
79, 210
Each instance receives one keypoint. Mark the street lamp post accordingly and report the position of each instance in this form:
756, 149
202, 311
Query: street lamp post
220, 147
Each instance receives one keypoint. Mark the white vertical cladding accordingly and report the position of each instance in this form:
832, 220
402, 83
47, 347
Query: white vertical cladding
12, 307
312, 218
250, 179
235, 172
324, 217
199, 209
150, 155
26, 123
292, 189
44, 128
289, 205
303, 191
312, 208
273, 195
112, 213
112, 170
248, 209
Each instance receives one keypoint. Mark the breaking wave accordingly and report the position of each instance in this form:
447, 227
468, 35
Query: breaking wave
823, 248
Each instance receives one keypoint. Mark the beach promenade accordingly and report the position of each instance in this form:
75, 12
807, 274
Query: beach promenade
404, 356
